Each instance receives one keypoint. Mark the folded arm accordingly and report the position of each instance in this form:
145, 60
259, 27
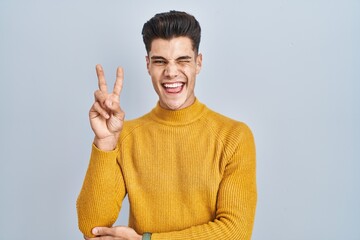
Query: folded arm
102, 193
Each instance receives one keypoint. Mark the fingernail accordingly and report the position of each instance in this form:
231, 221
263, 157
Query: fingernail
95, 231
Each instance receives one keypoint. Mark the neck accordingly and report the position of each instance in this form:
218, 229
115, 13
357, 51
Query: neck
181, 116
188, 102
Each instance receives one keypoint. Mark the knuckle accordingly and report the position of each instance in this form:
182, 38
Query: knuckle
117, 231
100, 94
96, 106
97, 93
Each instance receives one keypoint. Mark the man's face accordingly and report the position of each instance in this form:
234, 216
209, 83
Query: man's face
173, 66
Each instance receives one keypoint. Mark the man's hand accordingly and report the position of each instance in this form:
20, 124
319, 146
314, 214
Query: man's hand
106, 116
115, 233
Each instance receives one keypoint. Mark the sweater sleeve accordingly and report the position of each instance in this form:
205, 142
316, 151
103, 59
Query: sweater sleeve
236, 201
103, 190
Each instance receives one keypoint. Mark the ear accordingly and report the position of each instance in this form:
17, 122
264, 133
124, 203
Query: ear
147, 63
198, 63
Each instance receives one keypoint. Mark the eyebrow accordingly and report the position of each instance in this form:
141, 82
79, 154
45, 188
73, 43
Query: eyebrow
158, 57
179, 58
184, 58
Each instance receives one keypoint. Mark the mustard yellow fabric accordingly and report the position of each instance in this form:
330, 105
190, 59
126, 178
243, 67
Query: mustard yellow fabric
189, 174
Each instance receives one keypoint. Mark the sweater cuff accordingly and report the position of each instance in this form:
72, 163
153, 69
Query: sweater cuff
103, 158
98, 153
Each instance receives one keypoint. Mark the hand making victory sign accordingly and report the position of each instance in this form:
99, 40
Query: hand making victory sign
106, 116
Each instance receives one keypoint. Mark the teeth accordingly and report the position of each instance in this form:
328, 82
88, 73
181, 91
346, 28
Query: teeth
173, 85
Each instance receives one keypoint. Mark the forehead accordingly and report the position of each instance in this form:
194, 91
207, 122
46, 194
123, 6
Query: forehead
172, 48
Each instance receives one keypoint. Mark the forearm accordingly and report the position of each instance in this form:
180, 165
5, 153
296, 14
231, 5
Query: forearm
100, 198
234, 220
220, 229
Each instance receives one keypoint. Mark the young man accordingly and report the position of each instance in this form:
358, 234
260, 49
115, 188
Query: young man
189, 172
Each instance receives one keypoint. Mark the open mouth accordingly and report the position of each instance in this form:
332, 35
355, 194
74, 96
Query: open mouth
175, 87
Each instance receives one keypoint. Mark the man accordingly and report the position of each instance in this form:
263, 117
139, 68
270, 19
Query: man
189, 172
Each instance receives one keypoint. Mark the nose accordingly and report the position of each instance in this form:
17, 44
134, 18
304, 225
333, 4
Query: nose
171, 70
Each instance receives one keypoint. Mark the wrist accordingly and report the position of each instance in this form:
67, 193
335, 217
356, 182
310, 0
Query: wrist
107, 144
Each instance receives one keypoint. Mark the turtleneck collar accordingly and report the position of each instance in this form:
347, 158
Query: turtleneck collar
178, 117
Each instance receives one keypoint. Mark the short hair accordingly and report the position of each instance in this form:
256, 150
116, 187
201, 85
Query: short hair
172, 24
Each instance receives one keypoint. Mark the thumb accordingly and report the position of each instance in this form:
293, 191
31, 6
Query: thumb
101, 231
115, 109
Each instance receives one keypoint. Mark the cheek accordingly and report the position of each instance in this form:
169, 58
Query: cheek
155, 75
190, 74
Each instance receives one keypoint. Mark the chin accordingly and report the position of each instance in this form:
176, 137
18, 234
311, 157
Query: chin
173, 105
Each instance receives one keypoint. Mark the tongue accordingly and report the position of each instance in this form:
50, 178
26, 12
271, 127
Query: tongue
174, 90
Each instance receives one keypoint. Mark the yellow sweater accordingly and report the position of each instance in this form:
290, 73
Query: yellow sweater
189, 174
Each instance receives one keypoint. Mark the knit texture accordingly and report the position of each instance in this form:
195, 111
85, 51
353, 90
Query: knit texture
189, 174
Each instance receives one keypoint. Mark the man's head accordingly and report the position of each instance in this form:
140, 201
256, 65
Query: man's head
172, 42
169, 25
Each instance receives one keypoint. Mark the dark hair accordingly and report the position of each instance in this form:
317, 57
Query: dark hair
172, 24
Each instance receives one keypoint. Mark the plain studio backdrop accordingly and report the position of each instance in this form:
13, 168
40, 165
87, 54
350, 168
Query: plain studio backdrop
289, 69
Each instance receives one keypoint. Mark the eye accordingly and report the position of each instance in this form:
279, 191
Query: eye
159, 62
184, 60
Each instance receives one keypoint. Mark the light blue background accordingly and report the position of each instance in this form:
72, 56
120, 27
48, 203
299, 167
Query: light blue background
289, 69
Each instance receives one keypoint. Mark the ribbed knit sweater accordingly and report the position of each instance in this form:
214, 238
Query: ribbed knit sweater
189, 174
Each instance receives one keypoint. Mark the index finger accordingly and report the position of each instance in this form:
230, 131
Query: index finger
101, 78
119, 81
